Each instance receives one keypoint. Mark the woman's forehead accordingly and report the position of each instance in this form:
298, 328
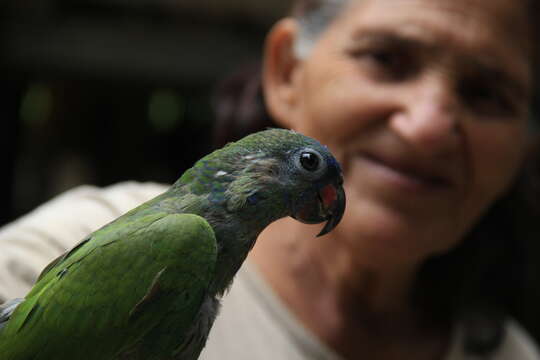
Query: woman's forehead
481, 20
508, 15
494, 33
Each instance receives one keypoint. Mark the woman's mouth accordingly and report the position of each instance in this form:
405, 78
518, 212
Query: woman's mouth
406, 176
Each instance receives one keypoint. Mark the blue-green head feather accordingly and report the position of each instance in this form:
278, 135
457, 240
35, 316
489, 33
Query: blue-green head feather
269, 175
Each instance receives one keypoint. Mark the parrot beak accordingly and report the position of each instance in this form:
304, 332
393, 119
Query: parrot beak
325, 204
332, 198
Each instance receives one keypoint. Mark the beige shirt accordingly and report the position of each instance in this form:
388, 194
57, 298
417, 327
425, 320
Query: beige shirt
253, 323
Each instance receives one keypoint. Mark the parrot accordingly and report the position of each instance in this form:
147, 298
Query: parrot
148, 285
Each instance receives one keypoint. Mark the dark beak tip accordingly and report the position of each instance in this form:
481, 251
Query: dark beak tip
331, 223
322, 233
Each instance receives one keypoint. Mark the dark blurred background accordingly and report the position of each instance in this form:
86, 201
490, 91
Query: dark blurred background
101, 91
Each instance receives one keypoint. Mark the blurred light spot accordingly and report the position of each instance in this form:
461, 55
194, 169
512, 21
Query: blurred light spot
165, 110
36, 105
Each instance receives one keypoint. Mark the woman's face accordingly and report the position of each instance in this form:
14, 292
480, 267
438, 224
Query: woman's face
425, 104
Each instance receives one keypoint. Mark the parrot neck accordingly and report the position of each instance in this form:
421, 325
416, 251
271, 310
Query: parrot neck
232, 251
236, 233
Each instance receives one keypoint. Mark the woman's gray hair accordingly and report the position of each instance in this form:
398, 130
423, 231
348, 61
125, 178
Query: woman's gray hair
313, 17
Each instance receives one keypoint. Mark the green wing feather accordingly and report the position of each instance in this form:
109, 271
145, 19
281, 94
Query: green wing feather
111, 292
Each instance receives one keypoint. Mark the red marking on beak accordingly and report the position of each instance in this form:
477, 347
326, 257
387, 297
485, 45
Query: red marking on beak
328, 195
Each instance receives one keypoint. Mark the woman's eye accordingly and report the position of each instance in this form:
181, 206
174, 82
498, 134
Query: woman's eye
487, 100
388, 64
386, 59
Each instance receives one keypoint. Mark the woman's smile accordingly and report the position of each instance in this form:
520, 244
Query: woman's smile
404, 175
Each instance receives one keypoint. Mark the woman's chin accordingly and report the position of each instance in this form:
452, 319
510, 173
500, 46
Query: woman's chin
386, 236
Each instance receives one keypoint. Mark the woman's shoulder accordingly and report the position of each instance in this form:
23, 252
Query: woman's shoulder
32, 241
119, 195
75, 213
116, 198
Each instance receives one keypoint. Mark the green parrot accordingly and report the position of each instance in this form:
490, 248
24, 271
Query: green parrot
148, 284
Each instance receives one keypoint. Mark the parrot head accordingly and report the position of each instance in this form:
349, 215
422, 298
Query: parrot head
292, 174
271, 174
319, 184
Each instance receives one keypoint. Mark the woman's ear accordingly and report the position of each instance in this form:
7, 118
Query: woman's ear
280, 72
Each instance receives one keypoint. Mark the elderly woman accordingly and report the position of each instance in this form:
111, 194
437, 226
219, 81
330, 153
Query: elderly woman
426, 103
427, 106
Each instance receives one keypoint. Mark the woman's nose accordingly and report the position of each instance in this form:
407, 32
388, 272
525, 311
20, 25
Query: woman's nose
429, 118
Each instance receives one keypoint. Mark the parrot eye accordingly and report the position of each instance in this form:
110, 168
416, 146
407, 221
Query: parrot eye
310, 161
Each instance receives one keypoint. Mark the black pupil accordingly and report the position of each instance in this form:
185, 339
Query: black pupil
309, 161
